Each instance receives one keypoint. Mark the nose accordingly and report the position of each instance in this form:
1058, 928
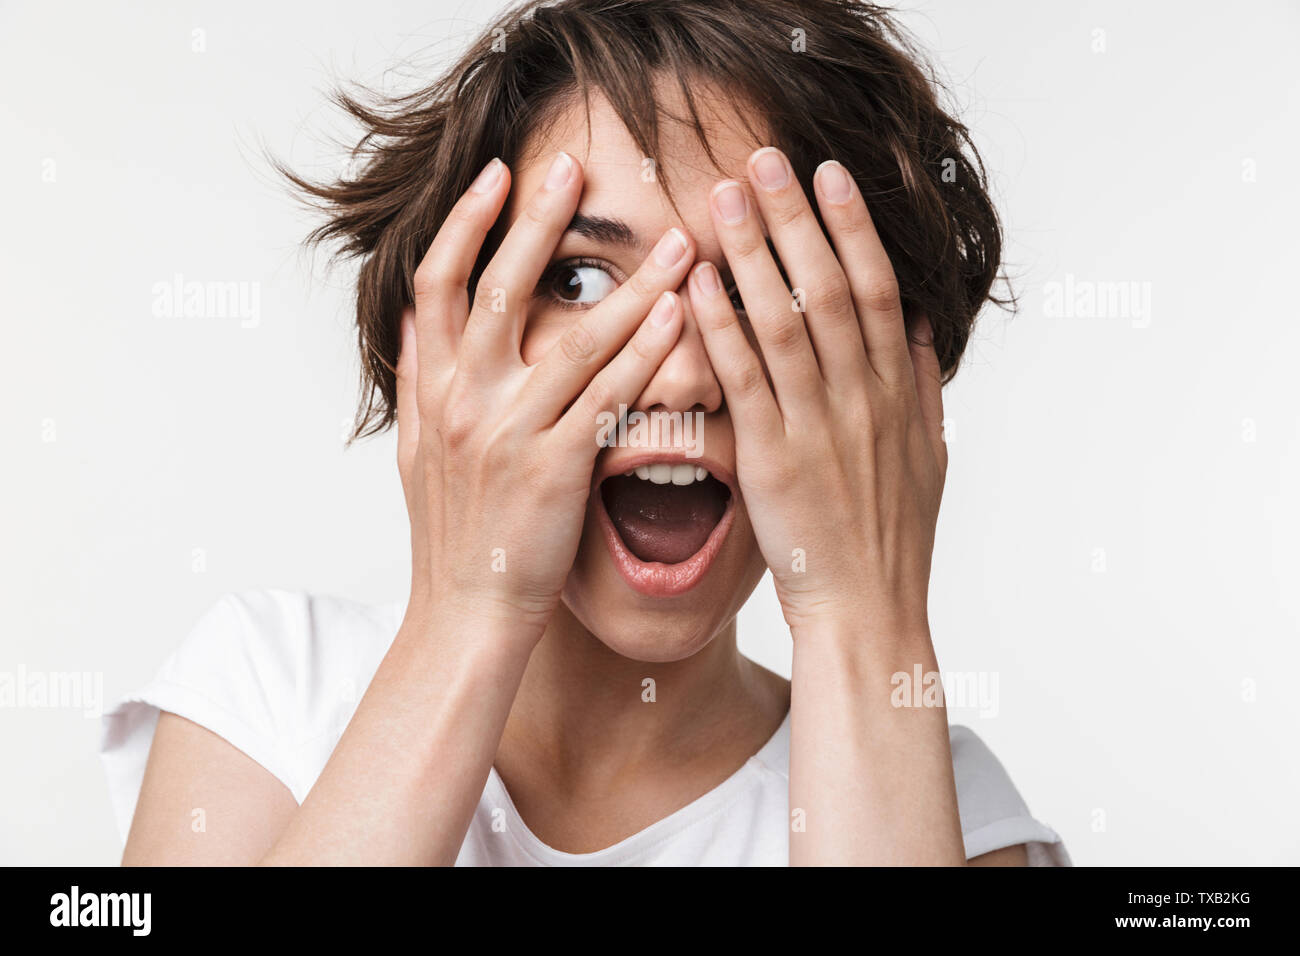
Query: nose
684, 381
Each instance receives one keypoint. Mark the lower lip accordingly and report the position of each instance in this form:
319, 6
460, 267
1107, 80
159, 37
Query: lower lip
656, 579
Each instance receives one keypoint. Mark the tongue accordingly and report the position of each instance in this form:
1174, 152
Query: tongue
666, 523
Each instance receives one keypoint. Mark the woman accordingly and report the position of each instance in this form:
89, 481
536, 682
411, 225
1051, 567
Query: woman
749, 227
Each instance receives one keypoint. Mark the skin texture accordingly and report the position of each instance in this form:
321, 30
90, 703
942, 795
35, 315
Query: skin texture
829, 420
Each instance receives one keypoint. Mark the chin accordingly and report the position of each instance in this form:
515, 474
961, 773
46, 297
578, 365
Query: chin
657, 611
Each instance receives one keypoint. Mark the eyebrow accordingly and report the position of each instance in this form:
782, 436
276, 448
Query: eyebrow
609, 229
604, 229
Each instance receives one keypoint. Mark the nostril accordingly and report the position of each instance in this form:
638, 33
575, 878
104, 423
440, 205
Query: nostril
685, 380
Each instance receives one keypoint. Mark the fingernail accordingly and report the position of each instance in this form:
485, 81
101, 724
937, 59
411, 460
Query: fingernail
670, 248
560, 171
771, 169
706, 277
832, 182
662, 313
488, 178
731, 203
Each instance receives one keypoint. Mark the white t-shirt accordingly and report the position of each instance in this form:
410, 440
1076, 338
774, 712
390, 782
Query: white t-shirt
279, 674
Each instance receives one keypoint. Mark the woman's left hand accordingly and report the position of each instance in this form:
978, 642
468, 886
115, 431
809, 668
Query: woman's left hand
840, 457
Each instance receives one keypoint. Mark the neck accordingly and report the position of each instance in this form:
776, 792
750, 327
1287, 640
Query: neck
585, 714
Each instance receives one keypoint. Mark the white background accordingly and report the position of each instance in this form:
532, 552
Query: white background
1114, 546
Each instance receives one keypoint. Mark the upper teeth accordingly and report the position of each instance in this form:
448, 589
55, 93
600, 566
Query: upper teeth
662, 473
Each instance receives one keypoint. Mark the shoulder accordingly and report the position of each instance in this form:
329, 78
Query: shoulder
993, 813
275, 673
282, 661
282, 638
274, 620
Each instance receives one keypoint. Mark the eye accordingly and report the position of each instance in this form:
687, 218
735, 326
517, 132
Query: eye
578, 282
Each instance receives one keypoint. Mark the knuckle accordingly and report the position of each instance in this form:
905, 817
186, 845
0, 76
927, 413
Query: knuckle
428, 275
458, 421
457, 428
644, 349
642, 285
598, 397
852, 221
456, 435
787, 213
488, 292
784, 331
721, 318
538, 211
464, 214
881, 294
901, 391
578, 346
749, 379
748, 245
829, 295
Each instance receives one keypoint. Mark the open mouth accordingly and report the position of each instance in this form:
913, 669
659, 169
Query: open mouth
665, 512
665, 522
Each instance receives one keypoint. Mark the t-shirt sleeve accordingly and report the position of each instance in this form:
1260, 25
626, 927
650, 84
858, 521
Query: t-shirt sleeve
993, 814
226, 676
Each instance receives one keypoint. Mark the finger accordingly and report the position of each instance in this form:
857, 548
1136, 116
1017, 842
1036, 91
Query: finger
810, 266
778, 326
496, 321
620, 383
929, 383
871, 276
441, 280
408, 406
408, 441
603, 329
740, 373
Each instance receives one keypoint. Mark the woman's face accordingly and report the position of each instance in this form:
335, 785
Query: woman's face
666, 560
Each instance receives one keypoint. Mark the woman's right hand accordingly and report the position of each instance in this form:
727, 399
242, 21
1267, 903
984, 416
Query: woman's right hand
496, 456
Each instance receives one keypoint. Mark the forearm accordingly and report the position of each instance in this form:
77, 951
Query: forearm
402, 784
874, 781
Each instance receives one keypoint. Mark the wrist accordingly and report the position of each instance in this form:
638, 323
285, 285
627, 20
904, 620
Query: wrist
861, 610
889, 634
482, 624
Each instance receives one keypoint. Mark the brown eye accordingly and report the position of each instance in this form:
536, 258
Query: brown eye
581, 284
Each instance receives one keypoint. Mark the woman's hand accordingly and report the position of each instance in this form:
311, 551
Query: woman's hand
841, 460
496, 459
496, 456
841, 463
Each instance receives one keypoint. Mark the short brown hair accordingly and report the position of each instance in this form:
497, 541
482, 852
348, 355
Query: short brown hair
830, 79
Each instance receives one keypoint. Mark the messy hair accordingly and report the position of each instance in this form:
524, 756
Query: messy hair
829, 79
